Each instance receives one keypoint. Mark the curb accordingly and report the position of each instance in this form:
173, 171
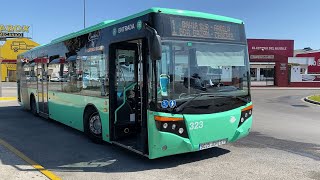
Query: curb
311, 101
263, 88
8, 98
35, 165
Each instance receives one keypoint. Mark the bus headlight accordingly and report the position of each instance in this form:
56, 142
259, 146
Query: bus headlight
181, 130
171, 125
245, 114
165, 125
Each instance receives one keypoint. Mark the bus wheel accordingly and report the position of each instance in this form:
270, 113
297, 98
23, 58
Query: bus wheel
93, 126
33, 106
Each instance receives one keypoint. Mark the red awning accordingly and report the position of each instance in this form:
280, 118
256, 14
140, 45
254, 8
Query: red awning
10, 61
41, 60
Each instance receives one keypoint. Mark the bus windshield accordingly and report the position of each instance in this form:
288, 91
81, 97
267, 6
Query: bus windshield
193, 68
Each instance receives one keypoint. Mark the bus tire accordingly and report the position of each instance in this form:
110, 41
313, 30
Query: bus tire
93, 126
33, 106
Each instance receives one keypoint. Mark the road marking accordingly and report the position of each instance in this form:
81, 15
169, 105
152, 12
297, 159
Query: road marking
7, 98
40, 168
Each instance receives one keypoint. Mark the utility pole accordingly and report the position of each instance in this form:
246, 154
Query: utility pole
0, 72
84, 13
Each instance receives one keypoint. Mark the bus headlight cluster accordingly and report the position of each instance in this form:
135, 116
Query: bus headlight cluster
245, 114
177, 127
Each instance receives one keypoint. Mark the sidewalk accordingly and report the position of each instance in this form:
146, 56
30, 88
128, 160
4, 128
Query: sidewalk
284, 88
12, 167
9, 85
9, 92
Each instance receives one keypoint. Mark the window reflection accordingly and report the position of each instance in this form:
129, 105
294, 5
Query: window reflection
204, 68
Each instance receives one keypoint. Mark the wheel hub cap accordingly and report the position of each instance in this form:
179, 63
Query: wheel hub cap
95, 124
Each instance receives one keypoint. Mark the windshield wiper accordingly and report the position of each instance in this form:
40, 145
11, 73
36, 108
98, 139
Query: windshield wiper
235, 97
182, 106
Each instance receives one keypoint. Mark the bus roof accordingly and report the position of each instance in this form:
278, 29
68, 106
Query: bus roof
151, 10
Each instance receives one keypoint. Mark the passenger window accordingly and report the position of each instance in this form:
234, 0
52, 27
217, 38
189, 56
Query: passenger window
55, 75
33, 75
26, 69
71, 81
93, 70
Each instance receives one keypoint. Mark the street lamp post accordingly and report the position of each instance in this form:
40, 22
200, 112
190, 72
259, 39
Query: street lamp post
0, 75
84, 13
0, 72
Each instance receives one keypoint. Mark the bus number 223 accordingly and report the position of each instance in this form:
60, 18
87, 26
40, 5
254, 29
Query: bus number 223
196, 125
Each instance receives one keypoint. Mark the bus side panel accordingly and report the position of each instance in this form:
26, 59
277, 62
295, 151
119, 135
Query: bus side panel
69, 109
66, 108
25, 102
25, 93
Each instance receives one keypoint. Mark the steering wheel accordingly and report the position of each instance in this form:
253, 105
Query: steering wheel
182, 94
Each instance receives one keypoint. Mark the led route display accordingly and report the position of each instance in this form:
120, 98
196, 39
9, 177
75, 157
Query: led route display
197, 28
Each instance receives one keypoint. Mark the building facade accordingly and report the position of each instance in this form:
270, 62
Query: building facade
275, 63
269, 61
8, 55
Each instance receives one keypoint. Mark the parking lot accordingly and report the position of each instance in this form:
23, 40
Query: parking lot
284, 144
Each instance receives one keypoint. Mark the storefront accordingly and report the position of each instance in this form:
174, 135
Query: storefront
269, 61
305, 69
8, 53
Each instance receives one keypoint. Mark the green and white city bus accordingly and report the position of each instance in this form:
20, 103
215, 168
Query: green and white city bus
160, 82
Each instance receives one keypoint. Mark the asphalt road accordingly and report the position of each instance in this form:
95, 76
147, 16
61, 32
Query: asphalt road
284, 144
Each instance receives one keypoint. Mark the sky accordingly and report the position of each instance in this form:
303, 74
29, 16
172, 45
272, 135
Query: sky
269, 19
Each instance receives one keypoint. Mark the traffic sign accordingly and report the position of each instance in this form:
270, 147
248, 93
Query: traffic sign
172, 103
165, 104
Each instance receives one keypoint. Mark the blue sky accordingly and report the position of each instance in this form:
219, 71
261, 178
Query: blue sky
271, 19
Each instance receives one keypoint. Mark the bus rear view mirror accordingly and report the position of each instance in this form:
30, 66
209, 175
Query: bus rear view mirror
155, 47
154, 43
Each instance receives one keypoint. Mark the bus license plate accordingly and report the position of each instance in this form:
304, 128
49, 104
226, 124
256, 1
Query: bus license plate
212, 144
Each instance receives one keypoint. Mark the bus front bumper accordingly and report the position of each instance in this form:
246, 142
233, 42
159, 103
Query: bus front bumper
173, 144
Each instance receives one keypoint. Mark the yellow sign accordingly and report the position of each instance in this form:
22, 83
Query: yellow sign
11, 67
14, 28
13, 47
11, 35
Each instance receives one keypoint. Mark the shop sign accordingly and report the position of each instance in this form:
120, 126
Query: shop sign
283, 66
261, 56
13, 31
14, 28
269, 48
11, 67
279, 47
10, 35
310, 77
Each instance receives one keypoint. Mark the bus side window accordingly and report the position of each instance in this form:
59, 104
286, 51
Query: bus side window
54, 77
26, 69
93, 75
70, 79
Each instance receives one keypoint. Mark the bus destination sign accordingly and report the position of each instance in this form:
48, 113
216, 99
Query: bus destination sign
196, 28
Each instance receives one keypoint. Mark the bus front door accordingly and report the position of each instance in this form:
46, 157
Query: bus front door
126, 92
43, 89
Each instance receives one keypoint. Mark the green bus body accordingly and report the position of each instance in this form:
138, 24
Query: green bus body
68, 104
